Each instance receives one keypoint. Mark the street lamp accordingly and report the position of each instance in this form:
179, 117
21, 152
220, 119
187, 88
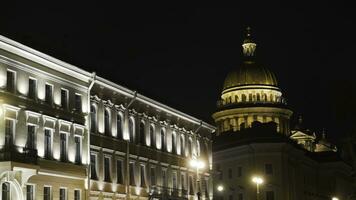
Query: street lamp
198, 164
334, 198
220, 188
257, 180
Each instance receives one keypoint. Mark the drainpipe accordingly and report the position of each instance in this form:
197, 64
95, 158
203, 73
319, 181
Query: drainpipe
128, 192
92, 82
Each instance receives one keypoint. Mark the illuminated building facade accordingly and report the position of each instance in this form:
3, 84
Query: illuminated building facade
254, 139
69, 134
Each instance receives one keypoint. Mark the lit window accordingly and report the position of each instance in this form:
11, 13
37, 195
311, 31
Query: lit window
48, 144
77, 195
119, 173
107, 170
107, 122
64, 98
48, 93
10, 81
78, 102
32, 88
62, 194
46, 193
93, 174
29, 192
78, 144
63, 147
30, 144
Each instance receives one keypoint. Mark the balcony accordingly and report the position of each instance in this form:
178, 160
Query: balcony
159, 192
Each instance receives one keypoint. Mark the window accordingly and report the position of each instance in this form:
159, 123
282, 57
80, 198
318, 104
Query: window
32, 88
78, 155
93, 119
30, 144
119, 126
230, 173
143, 180
174, 180
10, 81
120, 177
152, 135
9, 132
153, 176
131, 130
5, 193
182, 181
269, 195
46, 193
240, 196
107, 122
239, 171
163, 142
269, 169
48, 93
142, 133
191, 190
107, 177
174, 142
48, 144
29, 192
93, 174
182, 145
64, 98
132, 173
62, 194
78, 102
77, 194
164, 177
63, 147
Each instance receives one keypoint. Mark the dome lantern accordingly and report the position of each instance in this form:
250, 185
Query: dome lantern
248, 46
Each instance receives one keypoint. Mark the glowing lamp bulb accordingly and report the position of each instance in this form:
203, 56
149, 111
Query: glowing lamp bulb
220, 188
335, 198
257, 180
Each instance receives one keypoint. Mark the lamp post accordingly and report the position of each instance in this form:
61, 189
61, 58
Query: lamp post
258, 181
198, 164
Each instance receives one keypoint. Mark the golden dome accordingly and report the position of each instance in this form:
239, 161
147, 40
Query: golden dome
250, 74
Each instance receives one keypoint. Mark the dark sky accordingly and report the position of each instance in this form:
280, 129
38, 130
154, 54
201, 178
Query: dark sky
180, 54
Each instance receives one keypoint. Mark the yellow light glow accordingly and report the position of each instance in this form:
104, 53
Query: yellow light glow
220, 188
197, 164
335, 198
257, 180
1, 110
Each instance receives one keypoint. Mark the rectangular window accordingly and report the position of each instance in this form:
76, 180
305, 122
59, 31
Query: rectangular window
78, 102
63, 147
119, 167
64, 98
132, 173
182, 181
239, 171
30, 192
46, 193
78, 152
93, 174
107, 177
10, 81
48, 93
48, 144
153, 176
143, 180
62, 194
9, 132
230, 173
30, 144
191, 189
241, 196
269, 195
174, 180
77, 195
269, 169
32, 88
164, 177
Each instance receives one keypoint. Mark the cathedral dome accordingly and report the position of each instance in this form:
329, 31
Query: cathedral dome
249, 73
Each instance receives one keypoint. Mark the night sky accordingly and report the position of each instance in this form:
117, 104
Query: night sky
180, 54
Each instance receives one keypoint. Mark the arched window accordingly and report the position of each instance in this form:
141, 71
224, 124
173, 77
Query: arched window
119, 126
107, 122
131, 130
190, 147
93, 118
250, 97
142, 133
198, 148
243, 98
258, 97
271, 97
152, 135
242, 125
174, 142
265, 97
5, 191
182, 145
163, 139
